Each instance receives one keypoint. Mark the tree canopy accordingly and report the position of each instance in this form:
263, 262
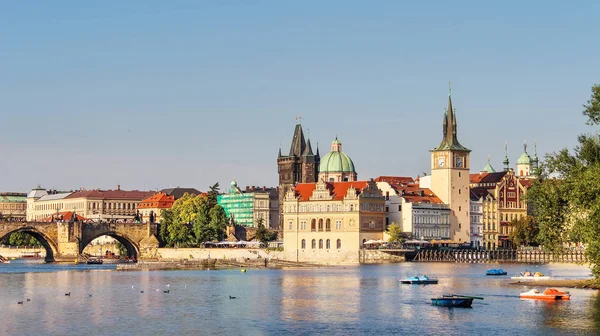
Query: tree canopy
193, 220
566, 197
395, 232
524, 231
263, 234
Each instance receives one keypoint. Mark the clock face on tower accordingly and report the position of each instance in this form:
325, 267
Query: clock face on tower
459, 162
441, 161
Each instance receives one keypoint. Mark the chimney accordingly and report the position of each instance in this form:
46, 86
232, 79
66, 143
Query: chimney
264, 188
118, 187
247, 188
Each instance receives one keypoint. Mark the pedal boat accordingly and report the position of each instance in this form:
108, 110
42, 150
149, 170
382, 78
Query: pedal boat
548, 294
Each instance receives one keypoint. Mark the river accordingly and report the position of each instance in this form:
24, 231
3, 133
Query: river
350, 300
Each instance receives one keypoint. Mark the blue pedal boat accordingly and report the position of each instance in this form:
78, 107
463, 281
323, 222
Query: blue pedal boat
494, 271
420, 280
454, 300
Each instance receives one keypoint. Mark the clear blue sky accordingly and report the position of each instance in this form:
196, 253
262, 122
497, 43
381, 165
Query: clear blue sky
155, 94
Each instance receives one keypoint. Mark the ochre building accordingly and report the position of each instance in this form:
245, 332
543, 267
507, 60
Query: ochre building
328, 222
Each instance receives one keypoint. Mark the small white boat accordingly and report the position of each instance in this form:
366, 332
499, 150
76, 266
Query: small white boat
531, 276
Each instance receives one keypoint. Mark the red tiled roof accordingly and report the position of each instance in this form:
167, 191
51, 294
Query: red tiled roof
65, 215
395, 179
337, 189
525, 182
413, 194
487, 177
112, 194
159, 200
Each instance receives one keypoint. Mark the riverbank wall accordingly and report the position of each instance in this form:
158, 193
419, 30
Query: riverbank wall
17, 252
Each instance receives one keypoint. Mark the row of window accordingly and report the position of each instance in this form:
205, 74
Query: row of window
335, 207
6, 206
319, 225
327, 244
111, 206
432, 233
430, 219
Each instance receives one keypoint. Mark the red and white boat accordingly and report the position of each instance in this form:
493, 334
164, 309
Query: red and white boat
548, 294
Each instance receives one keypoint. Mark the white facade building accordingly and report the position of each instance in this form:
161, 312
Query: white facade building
476, 221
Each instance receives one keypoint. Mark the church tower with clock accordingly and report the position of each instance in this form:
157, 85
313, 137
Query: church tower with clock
450, 176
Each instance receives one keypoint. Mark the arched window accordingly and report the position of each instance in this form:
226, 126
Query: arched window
313, 225
303, 243
351, 207
320, 224
314, 244
328, 224
339, 243
328, 244
320, 243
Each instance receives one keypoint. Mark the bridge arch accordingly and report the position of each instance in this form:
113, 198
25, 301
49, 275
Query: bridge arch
133, 250
48, 244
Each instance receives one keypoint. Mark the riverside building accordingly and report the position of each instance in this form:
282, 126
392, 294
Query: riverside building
328, 222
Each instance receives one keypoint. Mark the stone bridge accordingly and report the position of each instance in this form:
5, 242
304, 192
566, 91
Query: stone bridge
65, 241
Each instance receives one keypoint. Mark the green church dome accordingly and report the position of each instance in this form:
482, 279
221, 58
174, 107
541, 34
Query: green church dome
524, 159
336, 160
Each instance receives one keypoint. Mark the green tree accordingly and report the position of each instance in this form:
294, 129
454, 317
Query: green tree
213, 194
202, 228
20, 239
524, 231
122, 250
395, 232
566, 198
263, 234
218, 221
592, 108
175, 222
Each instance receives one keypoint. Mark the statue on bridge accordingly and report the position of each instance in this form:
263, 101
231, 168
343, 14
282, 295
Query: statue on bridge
151, 218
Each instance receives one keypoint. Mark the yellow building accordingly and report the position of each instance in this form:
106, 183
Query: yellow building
450, 164
98, 205
13, 205
152, 207
328, 222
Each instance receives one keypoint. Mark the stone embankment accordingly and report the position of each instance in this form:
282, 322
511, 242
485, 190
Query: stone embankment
213, 258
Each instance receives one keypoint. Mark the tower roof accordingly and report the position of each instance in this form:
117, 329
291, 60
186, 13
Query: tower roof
336, 160
524, 158
488, 167
450, 139
308, 150
298, 142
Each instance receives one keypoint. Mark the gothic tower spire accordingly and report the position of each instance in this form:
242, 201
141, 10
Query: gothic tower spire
450, 134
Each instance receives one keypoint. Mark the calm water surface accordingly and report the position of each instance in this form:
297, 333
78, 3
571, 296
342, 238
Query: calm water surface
329, 301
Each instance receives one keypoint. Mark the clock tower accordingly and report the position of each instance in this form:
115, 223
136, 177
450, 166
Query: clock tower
450, 176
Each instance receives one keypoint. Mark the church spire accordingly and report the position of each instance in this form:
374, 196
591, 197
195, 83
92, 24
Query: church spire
450, 138
308, 150
506, 162
298, 142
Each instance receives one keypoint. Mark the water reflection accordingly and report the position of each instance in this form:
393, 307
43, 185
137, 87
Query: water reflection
331, 301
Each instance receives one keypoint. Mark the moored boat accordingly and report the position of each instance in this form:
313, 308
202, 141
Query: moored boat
420, 280
95, 261
454, 300
548, 294
530, 276
494, 271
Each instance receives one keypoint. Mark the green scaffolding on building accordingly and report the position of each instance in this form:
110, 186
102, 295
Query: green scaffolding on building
239, 206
